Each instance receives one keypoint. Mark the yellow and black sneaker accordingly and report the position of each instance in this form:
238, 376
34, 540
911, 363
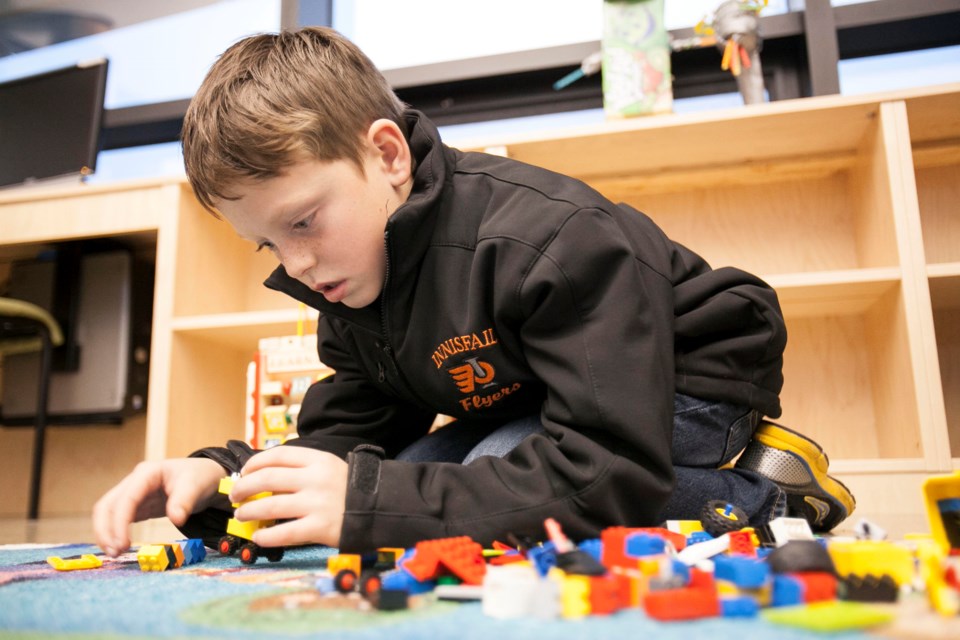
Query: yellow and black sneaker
799, 466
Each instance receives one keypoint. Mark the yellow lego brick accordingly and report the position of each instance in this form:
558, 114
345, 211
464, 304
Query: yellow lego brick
684, 527
944, 599
152, 557
873, 557
575, 596
337, 563
86, 561
942, 493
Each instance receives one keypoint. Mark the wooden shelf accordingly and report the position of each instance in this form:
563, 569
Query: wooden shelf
845, 205
243, 330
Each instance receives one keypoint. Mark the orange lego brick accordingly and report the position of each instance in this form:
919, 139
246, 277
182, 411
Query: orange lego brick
818, 586
460, 556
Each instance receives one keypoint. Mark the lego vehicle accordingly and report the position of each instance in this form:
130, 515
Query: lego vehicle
240, 534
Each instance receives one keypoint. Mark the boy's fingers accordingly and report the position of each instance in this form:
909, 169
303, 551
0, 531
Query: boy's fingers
272, 479
283, 456
284, 534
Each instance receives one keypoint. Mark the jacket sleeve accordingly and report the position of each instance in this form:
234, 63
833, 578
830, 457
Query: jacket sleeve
730, 335
596, 328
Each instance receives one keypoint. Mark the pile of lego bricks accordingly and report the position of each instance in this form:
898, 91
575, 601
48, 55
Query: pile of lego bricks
783, 574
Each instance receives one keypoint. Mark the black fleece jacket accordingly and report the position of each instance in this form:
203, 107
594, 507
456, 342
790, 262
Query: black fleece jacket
513, 291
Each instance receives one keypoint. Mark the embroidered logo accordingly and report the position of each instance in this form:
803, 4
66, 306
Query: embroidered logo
475, 372
474, 377
461, 344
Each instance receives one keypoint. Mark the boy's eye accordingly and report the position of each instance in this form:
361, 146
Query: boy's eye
264, 245
303, 223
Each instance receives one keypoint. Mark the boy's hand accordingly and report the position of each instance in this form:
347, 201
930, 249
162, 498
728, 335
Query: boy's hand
174, 488
310, 490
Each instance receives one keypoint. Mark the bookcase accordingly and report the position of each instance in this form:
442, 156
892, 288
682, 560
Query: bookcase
848, 206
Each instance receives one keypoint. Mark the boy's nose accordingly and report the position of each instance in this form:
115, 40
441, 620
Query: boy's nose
297, 264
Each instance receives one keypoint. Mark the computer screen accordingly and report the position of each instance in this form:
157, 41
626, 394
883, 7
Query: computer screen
50, 123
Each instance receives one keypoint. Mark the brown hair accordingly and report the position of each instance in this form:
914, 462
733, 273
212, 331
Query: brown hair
273, 99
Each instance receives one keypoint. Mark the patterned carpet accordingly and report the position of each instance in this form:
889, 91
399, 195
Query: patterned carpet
221, 598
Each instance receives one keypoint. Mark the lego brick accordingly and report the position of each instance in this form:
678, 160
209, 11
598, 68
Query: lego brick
739, 607
608, 594
510, 591
800, 555
575, 596
868, 589
877, 557
85, 561
341, 561
744, 572
682, 604
152, 557
640, 544
829, 616
460, 556
787, 591
817, 587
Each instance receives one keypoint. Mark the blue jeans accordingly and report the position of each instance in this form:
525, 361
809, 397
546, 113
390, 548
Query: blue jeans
706, 435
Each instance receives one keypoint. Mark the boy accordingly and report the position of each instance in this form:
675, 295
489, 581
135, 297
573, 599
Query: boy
599, 373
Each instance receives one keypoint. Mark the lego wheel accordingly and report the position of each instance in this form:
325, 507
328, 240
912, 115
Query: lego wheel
345, 581
249, 553
273, 555
370, 583
719, 517
227, 545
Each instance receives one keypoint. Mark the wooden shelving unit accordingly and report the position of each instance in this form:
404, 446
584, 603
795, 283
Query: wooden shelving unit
847, 206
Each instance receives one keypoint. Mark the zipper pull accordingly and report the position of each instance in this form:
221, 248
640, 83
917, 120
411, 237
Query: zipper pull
382, 374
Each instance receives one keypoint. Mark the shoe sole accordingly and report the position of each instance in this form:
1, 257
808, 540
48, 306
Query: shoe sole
799, 466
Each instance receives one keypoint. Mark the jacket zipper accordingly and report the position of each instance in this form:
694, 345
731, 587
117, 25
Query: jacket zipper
384, 325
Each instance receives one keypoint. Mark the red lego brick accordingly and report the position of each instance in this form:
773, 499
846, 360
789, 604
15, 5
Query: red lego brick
741, 543
682, 604
817, 586
609, 593
460, 556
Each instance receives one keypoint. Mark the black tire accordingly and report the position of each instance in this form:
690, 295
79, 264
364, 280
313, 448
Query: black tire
719, 517
249, 553
370, 583
227, 545
273, 555
345, 581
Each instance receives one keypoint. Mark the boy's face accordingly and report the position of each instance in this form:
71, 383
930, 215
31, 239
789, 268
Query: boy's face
325, 221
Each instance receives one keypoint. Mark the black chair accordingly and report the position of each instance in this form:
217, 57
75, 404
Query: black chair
25, 328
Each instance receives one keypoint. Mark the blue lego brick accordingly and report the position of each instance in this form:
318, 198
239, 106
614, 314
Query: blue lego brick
193, 551
543, 557
739, 607
787, 591
594, 547
697, 537
400, 580
746, 573
639, 545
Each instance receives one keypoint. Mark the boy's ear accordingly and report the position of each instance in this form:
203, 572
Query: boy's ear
392, 152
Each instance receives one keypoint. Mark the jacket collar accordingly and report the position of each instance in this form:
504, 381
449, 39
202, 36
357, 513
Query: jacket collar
407, 236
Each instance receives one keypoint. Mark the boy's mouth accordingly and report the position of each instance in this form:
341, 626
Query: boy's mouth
332, 291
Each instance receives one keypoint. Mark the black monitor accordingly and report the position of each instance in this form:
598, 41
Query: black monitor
50, 123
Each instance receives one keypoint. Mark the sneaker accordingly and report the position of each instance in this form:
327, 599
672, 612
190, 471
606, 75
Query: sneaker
799, 466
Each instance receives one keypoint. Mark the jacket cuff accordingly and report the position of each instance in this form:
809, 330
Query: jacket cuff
231, 458
363, 484
211, 524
